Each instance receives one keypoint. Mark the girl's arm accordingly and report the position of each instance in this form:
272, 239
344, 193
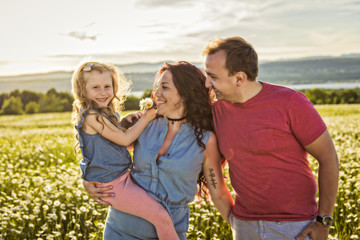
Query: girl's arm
116, 135
220, 194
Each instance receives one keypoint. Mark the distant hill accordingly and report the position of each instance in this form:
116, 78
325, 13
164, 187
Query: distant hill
40, 82
296, 71
307, 71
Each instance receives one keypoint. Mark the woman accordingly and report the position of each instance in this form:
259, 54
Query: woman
171, 153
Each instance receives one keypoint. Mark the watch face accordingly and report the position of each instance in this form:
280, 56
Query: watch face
327, 221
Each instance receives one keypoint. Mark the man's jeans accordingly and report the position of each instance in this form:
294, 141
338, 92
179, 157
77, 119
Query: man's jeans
267, 230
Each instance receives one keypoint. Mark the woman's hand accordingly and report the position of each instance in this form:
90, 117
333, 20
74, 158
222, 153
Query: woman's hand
97, 192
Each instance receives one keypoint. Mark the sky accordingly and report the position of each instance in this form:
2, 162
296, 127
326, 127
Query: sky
48, 35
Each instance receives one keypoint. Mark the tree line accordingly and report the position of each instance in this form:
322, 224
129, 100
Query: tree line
29, 102
333, 96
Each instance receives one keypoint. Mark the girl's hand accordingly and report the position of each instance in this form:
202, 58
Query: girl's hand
130, 119
97, 192
150, 114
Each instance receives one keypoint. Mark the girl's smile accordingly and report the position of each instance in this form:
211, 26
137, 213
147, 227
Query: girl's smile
99, 87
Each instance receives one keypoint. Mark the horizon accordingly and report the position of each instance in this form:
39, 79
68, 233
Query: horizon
347, 55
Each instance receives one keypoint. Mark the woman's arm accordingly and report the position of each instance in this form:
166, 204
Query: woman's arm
220, 194
116, 135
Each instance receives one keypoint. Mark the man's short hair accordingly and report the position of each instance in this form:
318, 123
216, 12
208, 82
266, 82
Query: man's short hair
240, 55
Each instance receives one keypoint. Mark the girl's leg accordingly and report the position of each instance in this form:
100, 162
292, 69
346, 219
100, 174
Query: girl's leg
132, 199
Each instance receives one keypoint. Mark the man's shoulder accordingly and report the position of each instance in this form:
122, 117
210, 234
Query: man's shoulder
271, 87
291, 95
280, 93
220, 103
219, 107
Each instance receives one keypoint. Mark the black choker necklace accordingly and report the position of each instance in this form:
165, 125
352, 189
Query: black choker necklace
175, 119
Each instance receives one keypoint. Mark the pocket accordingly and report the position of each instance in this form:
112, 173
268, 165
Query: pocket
261, 141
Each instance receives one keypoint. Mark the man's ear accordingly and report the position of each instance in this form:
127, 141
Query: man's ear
240, 78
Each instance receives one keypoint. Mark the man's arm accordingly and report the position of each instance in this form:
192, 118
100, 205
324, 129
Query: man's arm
323, 150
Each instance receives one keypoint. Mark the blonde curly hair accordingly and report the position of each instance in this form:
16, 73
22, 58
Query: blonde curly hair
82, 104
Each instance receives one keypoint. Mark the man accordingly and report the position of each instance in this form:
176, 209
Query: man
265, 132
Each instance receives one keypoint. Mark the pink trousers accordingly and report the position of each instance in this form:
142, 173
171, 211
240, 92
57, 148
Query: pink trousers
132, 199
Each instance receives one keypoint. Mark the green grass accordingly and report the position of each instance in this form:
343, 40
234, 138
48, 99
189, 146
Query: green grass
41, 194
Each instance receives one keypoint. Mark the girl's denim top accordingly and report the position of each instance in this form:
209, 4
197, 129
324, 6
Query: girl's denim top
171, 179
103, 160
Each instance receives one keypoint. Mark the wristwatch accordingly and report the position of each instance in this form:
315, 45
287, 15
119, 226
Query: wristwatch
326, 221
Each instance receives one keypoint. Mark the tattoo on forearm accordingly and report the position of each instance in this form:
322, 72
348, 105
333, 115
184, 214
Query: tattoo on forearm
212, 177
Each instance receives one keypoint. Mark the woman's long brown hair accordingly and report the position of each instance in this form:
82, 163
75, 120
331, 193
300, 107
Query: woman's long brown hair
190, 83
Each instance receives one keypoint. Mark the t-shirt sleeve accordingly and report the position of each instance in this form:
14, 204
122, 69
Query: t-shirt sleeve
216, 107
305, 122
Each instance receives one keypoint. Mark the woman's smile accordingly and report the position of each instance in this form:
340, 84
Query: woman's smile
167, 96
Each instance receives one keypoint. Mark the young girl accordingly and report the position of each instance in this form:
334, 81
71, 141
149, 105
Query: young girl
103, 144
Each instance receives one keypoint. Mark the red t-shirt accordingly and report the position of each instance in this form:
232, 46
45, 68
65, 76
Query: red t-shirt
263, 140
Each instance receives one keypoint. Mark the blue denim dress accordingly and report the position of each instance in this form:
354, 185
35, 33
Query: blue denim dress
171, 179
103, 160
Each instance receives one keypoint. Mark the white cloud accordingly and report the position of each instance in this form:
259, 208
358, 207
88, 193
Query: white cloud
81, 35
164, 3
153, 30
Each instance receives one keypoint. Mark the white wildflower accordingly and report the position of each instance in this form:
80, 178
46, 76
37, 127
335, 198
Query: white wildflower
83, 209
146, 103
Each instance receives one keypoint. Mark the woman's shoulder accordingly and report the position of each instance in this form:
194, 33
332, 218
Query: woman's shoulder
211, 137
207, 135
154, 126
157, 121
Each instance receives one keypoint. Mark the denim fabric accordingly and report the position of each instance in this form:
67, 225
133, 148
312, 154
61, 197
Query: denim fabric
269, 230
120, 225
171, 179
103, 160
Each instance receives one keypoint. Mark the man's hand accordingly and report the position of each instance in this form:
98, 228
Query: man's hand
316, 231
96, 192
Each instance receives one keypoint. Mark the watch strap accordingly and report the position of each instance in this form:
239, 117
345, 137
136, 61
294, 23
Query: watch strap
326, 221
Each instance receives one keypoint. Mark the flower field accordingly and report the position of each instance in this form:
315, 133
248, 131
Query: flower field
41, 193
